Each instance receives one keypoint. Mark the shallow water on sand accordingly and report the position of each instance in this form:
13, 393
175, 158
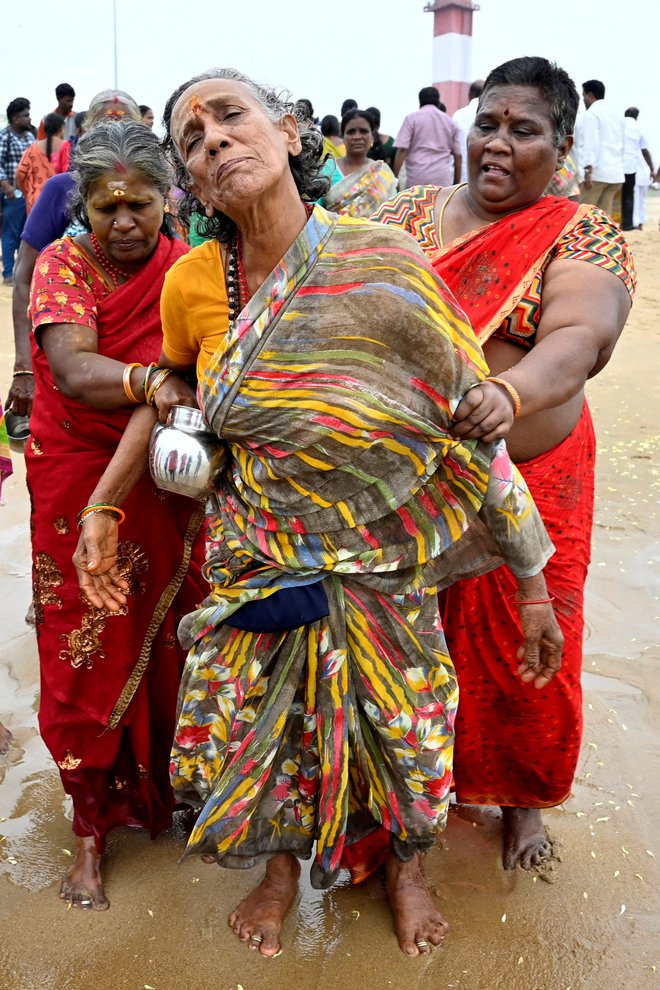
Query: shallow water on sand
594, 926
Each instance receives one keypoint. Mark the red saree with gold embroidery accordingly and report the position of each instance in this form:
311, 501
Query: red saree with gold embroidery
109, 682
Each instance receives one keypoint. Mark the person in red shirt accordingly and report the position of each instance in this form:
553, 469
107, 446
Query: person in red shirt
65, 95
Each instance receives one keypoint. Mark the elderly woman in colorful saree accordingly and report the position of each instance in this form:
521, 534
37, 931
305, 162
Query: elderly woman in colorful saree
359, 185
547, 286
317, 705
109, 680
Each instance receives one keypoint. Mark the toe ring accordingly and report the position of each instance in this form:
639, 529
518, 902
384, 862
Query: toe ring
258, 939
422, 944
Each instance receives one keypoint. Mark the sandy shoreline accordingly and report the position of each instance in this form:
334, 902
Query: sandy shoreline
596, 928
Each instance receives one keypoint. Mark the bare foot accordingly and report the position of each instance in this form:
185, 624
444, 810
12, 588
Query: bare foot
418, 923
82, 886
5, 738
525, 838
259, 918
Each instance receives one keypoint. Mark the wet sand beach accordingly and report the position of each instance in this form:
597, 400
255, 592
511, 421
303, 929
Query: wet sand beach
594, 926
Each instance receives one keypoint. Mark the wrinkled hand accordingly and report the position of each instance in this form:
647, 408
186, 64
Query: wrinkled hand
21, 395
173, 392
542, 649
484, 413
95, 561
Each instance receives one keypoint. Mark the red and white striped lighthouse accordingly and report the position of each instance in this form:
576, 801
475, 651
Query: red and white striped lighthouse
452, 49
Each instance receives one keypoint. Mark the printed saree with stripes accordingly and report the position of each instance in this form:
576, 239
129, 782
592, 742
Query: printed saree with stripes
334, 392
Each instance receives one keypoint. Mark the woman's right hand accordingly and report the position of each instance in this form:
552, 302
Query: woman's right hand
484, 413
173, 392
95, 561
21, 395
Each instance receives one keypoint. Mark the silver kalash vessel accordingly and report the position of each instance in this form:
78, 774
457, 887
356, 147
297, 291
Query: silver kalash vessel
184, 455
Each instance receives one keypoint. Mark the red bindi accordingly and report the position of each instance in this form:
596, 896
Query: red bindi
506, 112
195, 105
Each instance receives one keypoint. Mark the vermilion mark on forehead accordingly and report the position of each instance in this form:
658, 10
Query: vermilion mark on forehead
195, 105
506, 112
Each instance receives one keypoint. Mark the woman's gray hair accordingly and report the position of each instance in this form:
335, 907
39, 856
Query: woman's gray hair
106, 100
306, 168
119, 146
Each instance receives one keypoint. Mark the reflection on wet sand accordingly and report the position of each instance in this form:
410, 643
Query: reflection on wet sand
595, 926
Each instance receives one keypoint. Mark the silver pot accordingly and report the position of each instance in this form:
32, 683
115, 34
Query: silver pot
184, 455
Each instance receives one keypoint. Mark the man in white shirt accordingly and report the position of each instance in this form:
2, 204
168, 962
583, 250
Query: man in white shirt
464, 117
601, 148
634, 145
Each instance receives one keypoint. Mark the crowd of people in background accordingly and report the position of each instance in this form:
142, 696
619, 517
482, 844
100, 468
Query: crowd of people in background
373, 547
610, 157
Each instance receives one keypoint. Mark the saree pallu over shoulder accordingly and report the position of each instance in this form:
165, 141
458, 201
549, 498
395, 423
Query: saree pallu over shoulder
335, 391
491, 269
360, 193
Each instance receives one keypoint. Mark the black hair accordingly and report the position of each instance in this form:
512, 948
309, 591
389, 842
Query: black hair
53, 124
307, 106
19, 105
595, 87
79, 119
476, 89
330, 126
306, 168
348, 105
429, 96
555, 85
632, 112
64, 89
143, 108
352, 114
374, 114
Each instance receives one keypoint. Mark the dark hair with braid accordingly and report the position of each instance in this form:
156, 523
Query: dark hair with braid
53, 124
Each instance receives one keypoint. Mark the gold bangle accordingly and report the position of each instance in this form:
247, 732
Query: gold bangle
510, 390
162, 375
126, 381
150, 367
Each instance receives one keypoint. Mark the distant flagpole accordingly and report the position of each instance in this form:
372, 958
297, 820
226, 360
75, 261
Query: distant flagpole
114, 35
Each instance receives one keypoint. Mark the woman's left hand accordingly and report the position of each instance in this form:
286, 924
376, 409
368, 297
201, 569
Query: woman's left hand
173, 392
95, 561
542, 649
484, 413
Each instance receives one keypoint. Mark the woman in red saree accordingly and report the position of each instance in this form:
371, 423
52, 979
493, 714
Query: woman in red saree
109, 681
547, 286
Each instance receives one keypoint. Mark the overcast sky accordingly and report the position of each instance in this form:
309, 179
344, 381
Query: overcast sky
377, 53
